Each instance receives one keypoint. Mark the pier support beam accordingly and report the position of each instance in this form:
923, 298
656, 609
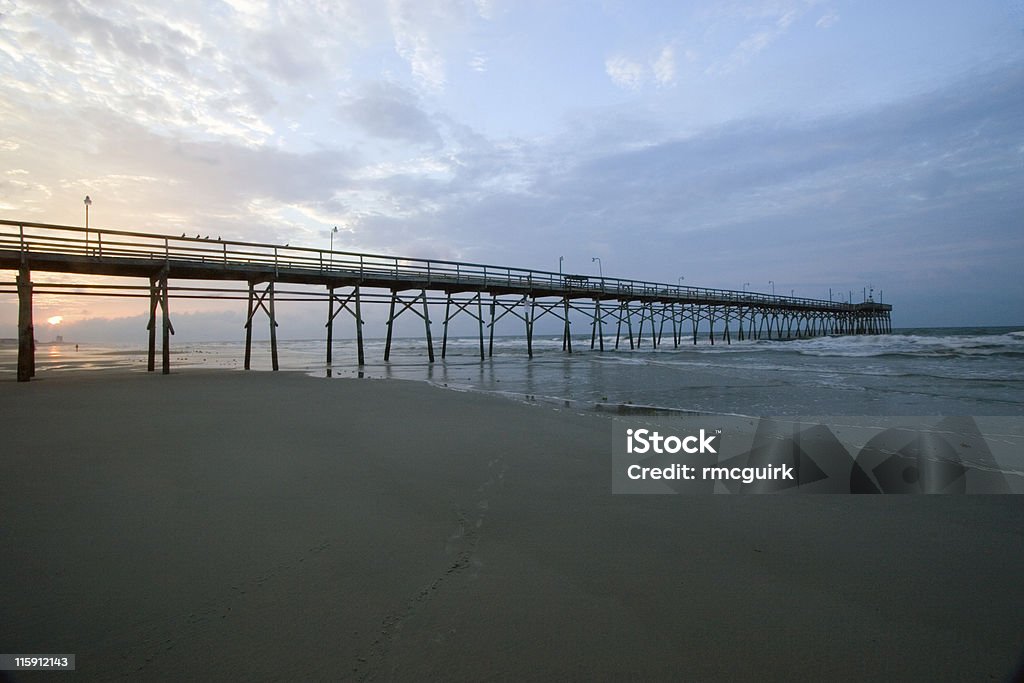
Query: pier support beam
545, 309
463, 306
529, 315
26, 328
566, 333
261, 300
332, 314
158, 298
407, 305
645, 311
624, 314
595, 326
507, 308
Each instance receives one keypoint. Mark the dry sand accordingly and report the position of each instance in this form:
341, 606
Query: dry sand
273, 526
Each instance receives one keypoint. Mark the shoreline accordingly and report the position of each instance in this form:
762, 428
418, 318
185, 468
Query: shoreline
216, 524
924, 375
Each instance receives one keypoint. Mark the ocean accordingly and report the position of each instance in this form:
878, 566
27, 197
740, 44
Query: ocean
930, 371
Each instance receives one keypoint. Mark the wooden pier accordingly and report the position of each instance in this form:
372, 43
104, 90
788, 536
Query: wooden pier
641, 312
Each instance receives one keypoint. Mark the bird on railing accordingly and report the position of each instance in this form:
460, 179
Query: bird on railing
182, 234
197, 235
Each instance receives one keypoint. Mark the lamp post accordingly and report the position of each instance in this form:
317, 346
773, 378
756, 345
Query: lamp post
560, 259
600, 270
745, 285
772, 283
88, 203
333, 233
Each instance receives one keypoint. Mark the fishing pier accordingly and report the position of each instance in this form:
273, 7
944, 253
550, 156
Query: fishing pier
641, 312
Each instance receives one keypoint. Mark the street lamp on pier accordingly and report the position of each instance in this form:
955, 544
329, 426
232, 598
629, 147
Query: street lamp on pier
600, 270
745, 285
88, 203
333, 233
772, 283
560, 259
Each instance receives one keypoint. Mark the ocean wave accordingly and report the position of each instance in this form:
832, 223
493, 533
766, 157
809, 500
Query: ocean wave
950, 346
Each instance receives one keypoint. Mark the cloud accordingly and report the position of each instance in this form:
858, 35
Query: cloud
768, 23
625, 72
828, 20
665, 67
423, 32
478, 62
631, 74
837, 199
389, 111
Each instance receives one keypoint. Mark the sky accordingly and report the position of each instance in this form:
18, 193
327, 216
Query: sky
814, 144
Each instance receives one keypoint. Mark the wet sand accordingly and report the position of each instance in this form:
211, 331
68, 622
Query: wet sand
228, 525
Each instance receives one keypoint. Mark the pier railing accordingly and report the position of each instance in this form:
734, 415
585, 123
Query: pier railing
102, 245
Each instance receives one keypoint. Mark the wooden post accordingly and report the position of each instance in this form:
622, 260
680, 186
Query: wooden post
426, 324
391, 322
567, 333
480, 320
330, 322
490, 346
26, 329
273, 328
444, 334
661, 325
629, 326
595, 328
676, 332
655, 339
154, 301
529, 312
166, 350
248, 325
359, 329
618, 324
640, 330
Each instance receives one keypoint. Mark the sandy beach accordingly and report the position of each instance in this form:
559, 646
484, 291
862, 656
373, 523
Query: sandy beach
258, 526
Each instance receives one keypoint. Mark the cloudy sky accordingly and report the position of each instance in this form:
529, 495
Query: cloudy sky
813, 143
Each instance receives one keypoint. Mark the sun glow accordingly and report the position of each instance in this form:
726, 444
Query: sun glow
55, 320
